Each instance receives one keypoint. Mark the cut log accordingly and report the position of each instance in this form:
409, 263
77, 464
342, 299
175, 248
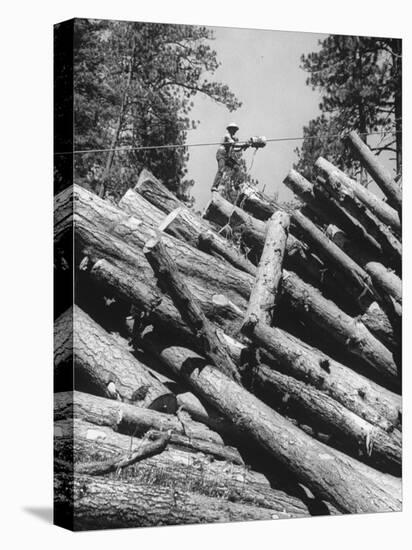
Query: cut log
126, 419
189, 308
391, 247
137, 206
92, 360
155, 192
258, 204
349, 485
350, 433
330, 253
384, 279
362, 396
99, 443
350, 333
328, 210
110, 504
382, 210
376, 170
269, 272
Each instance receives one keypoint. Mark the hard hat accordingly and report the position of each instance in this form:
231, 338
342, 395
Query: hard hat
232, 125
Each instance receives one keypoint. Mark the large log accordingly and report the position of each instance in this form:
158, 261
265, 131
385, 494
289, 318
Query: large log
189, 307
110, 504
268, 274
377, 170
349, 485
345, 330
364, 397
357, 393
328, 210
350, 433
391, 247
91, 359
382, 210
383, 278
155, 192
129, 420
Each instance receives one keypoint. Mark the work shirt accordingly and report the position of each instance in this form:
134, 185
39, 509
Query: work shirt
226, 147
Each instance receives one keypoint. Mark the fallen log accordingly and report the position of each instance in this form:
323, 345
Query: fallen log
382, 210
357, 393
91, 359
255, 202
268, 274
349, 485
345, 330
364, 397
350, 433
155, 192
391, 247
110, 504
189, 308
128, 420
384, 279
125, 418
376, 170
327, 209
86, 442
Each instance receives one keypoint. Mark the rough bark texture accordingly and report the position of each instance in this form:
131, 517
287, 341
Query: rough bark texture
346, 483
357, 393
101, 365
377, 170
391, 247
155, 192
382, 210
189, 308
109, 504
350, 433
126, 419
269, 272
345, 330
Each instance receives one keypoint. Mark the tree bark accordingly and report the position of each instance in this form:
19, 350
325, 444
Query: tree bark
391, 247
349, 485
384, 279
376, 170
156, 193
110, 504
91, 359
269, 272
383, 211
364, 397
328, 210
189, 308
347, 331
350, 433
127, 420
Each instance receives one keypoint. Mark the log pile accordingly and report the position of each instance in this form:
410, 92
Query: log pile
240, 365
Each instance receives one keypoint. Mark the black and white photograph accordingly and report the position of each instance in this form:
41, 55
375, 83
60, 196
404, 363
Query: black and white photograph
227, 274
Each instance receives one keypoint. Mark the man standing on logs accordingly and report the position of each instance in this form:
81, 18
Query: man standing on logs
227, 155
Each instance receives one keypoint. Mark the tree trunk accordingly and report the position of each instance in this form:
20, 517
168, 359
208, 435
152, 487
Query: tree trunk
255, 202
383, 278
383, 211
328, 210
350, 433
126, 419
156, 193
349, 485
362, 396
376, 170
269, 272
91, 359
350, 333
391, 247
189, 308
111, 504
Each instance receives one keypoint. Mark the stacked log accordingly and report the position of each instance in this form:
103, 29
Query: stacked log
249, 353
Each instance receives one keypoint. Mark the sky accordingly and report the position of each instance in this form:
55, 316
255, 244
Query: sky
262, 69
